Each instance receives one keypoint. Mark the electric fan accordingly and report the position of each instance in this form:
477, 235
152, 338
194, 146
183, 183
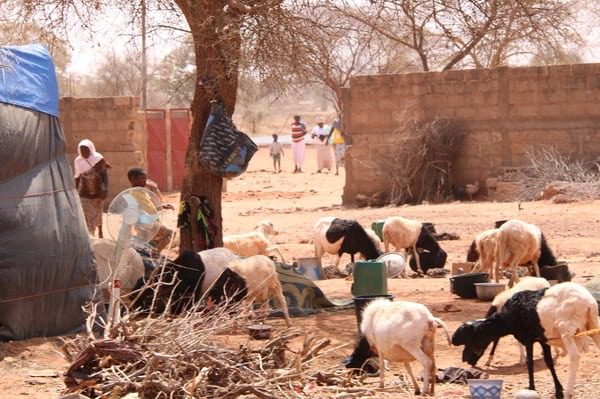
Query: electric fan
133, 219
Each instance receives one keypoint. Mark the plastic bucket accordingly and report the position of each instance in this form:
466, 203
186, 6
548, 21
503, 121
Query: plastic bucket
377, 227
361, 301
370, 278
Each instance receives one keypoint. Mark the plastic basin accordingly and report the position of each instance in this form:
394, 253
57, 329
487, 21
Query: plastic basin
463, 285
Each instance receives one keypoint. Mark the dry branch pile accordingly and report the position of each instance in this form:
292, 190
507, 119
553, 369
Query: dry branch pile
187, 356
547, 166
420, 165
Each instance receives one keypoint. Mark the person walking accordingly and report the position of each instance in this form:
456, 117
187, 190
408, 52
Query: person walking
339, 145
320, 134
276, 151
298, 144
91, 180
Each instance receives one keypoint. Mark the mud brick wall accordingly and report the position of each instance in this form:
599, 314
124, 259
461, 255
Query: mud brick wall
505, 113
115, 126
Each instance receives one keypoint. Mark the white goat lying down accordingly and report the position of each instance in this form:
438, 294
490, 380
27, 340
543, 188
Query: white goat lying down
253, 243
401, 332
106, 269
552, 316
262, 282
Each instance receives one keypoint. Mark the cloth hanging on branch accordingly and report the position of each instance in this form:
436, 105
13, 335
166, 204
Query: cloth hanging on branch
207, 229
224, 150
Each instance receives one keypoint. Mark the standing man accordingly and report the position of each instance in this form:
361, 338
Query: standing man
320, 134
298, 144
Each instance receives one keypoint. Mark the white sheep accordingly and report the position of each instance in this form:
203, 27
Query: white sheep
253, 243
402, 233
401, 332
262, 282
553, 316
519, 243
526, 283
485, 245
131, 271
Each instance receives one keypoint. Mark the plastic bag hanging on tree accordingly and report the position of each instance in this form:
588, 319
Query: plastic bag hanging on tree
224, 149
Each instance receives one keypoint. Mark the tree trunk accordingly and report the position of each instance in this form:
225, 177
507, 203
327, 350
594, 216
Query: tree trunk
217, 46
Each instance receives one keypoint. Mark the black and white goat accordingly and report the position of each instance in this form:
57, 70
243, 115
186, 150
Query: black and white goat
184, 281
338, 236
550, 316
407, 234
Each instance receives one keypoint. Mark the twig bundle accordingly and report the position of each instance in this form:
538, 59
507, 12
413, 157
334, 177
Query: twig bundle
166, 357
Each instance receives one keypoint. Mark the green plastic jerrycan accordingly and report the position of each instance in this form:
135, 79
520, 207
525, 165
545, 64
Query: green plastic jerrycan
370, 278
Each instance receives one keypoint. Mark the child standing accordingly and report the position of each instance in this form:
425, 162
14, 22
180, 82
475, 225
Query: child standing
276, 151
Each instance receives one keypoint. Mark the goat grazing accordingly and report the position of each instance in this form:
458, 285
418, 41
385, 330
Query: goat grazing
407, 234
262, 281
338, 236
526, 283
253, 243
519, 243
483, 251
401, 332
551, 316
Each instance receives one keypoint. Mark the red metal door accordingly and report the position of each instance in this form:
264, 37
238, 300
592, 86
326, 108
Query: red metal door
157, 147
180, 134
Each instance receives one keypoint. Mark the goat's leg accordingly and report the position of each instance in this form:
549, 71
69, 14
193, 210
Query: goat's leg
536, 268
425, 361
417, 259
529, 350
284, 308
274, 248
381, 369
491, 356
521, 354
514, 275
412, 377
574, 357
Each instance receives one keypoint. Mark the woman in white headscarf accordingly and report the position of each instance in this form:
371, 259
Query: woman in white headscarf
91, 180
320, 135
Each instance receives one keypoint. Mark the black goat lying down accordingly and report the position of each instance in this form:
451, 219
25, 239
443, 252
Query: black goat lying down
185, 280
551, 315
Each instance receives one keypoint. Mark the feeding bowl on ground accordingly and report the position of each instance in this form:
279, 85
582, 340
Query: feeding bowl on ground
463, 285
485, 389
487, 291
260, 331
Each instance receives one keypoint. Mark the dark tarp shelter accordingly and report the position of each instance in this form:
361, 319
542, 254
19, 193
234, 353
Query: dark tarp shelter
47, 270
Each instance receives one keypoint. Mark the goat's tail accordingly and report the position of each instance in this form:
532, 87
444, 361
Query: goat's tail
439, 323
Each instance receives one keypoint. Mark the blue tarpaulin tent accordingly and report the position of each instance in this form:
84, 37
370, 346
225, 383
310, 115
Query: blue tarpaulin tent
47, 268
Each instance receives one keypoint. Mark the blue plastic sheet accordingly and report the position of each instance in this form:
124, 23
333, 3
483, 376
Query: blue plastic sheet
28, 79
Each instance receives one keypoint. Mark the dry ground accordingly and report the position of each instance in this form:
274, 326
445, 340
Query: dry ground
293, 202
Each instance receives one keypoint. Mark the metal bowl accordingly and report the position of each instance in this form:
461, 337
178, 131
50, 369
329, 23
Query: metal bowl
487, 291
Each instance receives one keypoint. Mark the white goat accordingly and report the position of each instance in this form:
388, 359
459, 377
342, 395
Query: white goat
262, 282
129, 274
253, 243
402, 233
485, 244
526, 283
518, 243
403, 332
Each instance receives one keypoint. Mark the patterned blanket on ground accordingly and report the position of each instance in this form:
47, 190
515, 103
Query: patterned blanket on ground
302, 294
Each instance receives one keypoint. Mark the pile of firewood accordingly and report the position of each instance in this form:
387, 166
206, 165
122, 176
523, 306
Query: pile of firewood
183, 357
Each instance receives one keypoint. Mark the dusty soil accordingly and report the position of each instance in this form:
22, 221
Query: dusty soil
293, 202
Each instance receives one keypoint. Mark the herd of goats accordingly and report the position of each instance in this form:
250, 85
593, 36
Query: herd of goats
563, 315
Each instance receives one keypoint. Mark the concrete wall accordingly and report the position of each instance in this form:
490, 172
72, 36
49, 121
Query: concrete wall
115, 127
505, 113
